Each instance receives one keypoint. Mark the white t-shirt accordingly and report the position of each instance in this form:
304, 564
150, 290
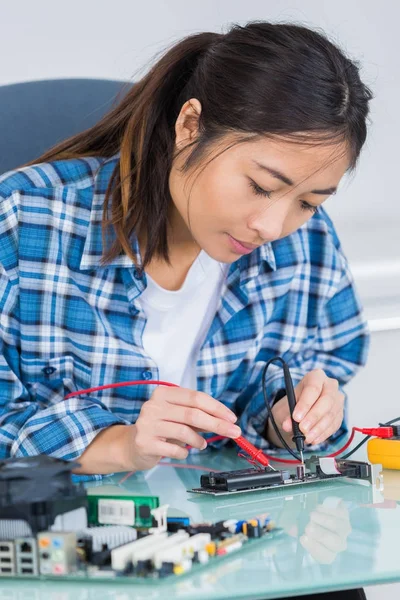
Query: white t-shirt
178, 321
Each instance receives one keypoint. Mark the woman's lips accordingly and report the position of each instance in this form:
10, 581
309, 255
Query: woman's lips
240, 247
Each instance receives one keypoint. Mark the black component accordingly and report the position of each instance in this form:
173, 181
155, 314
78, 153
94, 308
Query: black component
301, 472
144, 511
129, 569
354, 469
37, 489
251, 531
86, 543
25, 547
174, 524
240, 480
214, 529
101, 558
167, 568
144, 567
396, 431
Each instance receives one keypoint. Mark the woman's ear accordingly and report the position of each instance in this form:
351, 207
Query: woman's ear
187, 123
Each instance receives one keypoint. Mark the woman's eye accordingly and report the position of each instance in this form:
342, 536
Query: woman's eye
305, 206
259, 190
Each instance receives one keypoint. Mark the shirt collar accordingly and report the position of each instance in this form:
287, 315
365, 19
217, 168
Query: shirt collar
93, 247
249, 265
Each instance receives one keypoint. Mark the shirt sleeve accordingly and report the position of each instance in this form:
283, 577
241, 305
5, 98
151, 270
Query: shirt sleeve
62, 429
339, 347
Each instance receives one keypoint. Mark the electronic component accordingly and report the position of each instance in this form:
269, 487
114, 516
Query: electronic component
385, 452
37, 489
301, 472
180, 552
120, 557
175, 523
103, 535
242, 479
257, 478
134, 511
13, 528
159, 517
57, 552
7, 558
26, 556
112, 536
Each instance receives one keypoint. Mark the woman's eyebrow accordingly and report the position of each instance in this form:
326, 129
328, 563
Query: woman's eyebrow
288, 181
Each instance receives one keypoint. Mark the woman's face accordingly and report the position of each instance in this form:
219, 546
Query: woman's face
252, 193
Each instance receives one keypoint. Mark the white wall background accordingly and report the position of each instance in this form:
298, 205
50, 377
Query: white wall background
114, 39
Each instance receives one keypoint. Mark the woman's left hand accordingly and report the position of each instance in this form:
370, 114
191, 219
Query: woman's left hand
319, 409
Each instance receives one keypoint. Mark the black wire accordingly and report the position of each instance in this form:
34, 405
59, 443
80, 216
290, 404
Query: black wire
278, 433
356, 448
389, 422
270, 415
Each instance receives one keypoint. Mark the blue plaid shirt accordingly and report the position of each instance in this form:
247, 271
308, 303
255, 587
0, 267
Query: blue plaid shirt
68, 323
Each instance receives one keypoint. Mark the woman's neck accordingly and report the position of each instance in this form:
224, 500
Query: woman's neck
172, 276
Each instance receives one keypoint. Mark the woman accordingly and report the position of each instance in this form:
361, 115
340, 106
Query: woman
183, 239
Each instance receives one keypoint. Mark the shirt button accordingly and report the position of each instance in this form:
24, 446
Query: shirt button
147, 375
137, 273
49, 370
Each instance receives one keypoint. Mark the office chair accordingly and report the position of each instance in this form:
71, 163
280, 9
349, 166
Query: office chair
35, 115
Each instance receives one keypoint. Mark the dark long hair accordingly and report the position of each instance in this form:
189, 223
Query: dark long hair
260, 79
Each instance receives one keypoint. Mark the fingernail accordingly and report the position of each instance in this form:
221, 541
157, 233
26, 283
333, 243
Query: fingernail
204, 445
234, 431
232, 417
298, 415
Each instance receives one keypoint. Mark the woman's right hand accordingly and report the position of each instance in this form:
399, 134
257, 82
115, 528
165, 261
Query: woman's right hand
170, 420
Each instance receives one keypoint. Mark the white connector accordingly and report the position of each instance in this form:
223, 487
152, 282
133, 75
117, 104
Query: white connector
160, 515
181, 551
149, 552
121, 556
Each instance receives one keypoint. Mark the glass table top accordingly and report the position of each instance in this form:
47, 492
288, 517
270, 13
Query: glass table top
337, 534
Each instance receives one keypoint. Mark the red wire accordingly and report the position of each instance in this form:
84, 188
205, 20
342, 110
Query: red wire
255, 453
117, 385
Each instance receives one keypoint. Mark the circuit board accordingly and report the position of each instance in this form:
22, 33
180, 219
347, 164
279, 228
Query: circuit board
51, 528
309, 479
258, 479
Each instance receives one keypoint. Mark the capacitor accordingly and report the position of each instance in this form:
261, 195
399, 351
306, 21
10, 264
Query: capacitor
301, 472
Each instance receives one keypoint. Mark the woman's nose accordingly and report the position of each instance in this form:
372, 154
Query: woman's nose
269, 224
